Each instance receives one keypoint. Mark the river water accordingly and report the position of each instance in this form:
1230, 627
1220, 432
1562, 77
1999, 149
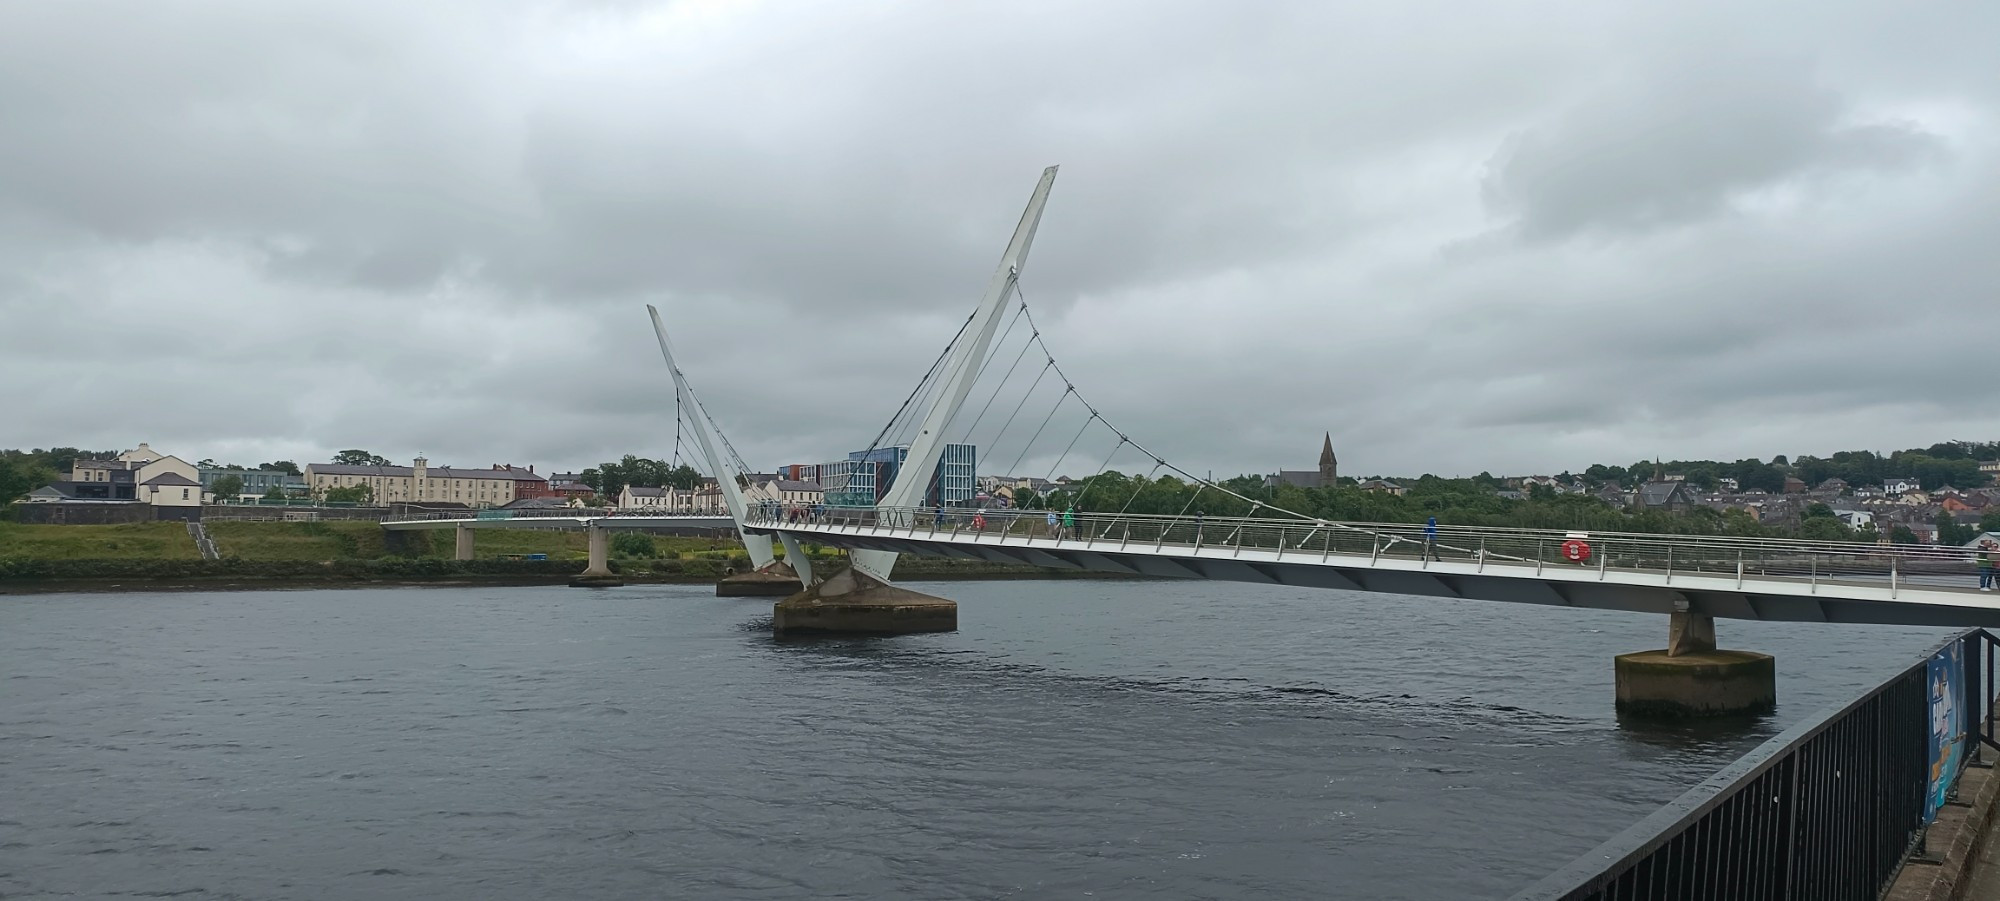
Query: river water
1071, 740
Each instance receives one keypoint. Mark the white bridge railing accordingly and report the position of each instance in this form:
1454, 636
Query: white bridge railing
489, 515
1810, 562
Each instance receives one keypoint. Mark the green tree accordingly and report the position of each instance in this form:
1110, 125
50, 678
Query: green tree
633, 544
358, 457
20, 475
1950, 533
274, 493
284, 466
1824, 528
1901, 534
349, 494
1990, 522
226, 488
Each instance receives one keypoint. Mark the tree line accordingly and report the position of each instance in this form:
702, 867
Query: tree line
610, 479
1464, 502
1949, 463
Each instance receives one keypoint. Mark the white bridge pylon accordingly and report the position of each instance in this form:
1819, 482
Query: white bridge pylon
758, 544
961, 368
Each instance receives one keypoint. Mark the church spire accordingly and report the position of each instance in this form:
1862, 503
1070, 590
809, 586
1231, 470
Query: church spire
1329, 466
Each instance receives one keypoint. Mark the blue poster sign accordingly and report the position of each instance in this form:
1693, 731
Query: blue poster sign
1943, 675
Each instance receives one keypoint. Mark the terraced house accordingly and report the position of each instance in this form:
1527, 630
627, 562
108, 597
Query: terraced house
492, 487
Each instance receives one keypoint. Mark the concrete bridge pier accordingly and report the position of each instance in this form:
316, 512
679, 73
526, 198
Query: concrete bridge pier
598, 573
777, 579
463, 547
1691, 678
851, 602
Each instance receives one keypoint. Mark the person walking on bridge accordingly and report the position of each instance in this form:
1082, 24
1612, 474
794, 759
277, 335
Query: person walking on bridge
939, 522
1989, 558
1431, 539
1069, 523
1055, 525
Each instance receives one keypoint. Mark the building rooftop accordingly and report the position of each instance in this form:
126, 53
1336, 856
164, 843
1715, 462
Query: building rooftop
431, 472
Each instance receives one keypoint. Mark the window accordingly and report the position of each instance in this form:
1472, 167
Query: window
184, 494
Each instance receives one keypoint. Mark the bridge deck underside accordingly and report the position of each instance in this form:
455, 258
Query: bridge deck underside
1826, 601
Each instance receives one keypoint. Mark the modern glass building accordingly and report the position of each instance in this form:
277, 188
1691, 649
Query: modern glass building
862, 478
256, 482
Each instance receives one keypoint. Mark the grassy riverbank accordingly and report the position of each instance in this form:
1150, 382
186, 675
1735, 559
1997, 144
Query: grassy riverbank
260, 554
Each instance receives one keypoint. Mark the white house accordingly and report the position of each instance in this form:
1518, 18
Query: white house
651, 499
1895, 487
1855, 519
705, 500
785, 492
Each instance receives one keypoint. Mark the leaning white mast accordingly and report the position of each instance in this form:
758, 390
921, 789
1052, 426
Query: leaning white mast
913, 477
725, 471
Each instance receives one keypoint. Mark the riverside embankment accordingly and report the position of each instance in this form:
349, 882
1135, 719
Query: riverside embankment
163, 556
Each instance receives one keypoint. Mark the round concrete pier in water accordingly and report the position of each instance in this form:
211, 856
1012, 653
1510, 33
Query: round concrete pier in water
853, 603
776, 581
1697, 684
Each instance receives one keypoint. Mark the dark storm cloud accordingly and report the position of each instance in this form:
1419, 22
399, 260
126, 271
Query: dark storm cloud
1458, 238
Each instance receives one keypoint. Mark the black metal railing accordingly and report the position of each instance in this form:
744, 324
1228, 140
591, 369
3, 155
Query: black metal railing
1828, 810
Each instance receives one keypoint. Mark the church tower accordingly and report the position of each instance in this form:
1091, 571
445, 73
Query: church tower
1329, 466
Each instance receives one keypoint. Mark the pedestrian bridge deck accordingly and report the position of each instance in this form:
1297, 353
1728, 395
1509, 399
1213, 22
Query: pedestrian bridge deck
1737, 578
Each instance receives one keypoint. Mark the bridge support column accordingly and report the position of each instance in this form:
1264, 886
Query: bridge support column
851, 602
598, 573
463, 549
772, 580
1691, 678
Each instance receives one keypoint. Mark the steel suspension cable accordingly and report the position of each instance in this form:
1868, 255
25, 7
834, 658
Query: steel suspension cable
1045, 424
922, 382
1138, 485
1101, 466
967, 434
1043, 342
1024, 402
1072, 443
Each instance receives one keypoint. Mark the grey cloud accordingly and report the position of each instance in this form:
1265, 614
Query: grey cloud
433, 228
1682, 145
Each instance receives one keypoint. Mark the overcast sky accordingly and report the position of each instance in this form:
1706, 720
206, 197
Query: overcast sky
1515, 237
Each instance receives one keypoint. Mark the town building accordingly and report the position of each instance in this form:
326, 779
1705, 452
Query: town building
785, 492
650, 499
1326, 476
168, 484
1897, 487
1384, 486
1669, 495
499, 485
256, 482
865, 476
569, 486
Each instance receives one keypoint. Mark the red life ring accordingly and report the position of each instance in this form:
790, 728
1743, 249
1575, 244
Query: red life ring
1576, 550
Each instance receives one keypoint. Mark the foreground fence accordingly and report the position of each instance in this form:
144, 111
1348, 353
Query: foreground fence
1827, 811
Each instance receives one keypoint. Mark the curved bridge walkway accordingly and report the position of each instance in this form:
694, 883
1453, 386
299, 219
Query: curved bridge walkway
1737, 578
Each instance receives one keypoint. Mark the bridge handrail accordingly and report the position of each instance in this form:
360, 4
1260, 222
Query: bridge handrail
487, 514
1671, 554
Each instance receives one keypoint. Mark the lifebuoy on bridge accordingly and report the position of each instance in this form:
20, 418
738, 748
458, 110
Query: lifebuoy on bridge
1576, 550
